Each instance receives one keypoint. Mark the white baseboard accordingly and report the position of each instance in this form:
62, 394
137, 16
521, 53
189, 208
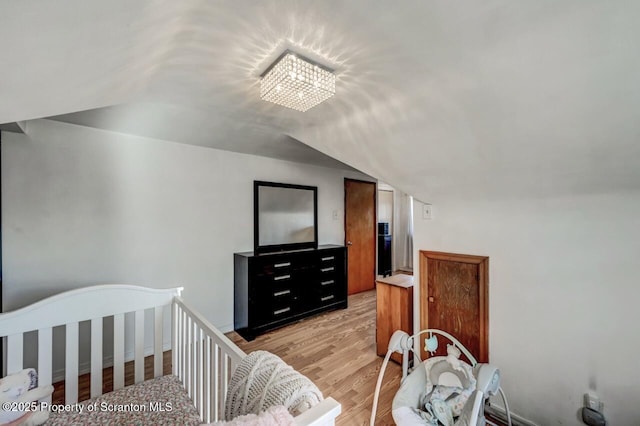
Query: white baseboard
85, 367
516, 420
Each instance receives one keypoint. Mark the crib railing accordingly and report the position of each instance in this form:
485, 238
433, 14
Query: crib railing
68, 310
203, 359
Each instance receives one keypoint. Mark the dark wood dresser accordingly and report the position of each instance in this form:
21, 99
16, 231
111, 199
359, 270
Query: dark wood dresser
275, 289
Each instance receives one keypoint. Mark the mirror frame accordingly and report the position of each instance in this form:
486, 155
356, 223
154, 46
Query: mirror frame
258, 249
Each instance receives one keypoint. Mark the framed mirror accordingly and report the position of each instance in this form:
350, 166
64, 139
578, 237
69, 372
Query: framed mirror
285, 216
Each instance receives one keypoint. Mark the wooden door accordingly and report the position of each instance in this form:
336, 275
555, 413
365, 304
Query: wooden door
454, 298
360, 234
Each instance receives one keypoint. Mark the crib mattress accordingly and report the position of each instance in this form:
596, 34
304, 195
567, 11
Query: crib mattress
161, 401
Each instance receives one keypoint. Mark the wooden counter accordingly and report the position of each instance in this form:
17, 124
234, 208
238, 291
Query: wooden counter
394, 310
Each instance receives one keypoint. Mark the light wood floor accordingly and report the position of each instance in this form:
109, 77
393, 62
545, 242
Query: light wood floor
336, 350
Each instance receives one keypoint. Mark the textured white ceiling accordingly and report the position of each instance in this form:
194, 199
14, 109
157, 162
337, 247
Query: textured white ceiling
537, 97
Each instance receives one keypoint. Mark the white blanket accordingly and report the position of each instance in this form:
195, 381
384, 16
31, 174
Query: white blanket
263, 380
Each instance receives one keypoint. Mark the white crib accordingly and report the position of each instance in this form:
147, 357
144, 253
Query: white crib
202, 357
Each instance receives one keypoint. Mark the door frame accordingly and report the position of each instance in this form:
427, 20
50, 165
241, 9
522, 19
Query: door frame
483, 292
375, 225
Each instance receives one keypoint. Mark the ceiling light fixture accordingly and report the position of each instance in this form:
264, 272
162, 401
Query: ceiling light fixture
296, 82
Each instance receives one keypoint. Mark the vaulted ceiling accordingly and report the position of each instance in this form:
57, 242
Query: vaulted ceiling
499, 98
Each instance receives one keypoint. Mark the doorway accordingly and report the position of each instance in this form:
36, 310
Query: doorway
454, 291
360, 234
385, 231
395, 231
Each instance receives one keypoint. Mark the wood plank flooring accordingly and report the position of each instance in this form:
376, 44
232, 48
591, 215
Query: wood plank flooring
337, 351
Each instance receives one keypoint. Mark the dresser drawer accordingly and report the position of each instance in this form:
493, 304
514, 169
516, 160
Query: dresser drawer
265, 317
329, 259
277, 278
269, 284
327, 283
327, 298
326, 270
274, 294
273, 265
268, 311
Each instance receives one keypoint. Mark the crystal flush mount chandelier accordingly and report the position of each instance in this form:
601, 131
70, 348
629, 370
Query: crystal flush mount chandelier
296, 82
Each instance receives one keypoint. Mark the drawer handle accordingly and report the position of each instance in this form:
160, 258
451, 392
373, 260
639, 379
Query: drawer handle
327, 282
281, 311
282, 265
282, 277
281, 293
324, 299
324, 259
327, 269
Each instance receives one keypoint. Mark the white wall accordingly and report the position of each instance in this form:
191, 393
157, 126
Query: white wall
402, 240
83, 206
563, 295
385, 207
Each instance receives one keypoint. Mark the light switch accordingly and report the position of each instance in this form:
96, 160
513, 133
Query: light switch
426, 211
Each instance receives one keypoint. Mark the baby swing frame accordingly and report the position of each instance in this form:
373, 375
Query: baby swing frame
402, 343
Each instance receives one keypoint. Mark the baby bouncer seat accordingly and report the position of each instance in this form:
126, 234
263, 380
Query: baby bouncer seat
443, 390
